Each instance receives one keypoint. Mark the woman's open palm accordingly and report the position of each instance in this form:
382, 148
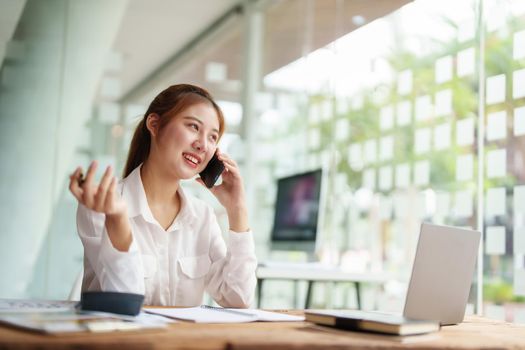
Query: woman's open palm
102, 198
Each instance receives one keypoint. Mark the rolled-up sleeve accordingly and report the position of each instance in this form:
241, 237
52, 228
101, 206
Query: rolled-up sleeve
115, 270
231, 281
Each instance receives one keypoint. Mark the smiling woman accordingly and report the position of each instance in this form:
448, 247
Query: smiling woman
145, 235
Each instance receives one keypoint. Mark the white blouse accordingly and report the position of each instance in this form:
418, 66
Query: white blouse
173, 266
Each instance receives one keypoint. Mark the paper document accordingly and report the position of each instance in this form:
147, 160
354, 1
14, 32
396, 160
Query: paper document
70, 321
61, 316
208, 314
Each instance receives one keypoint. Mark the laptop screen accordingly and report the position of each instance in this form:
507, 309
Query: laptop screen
442, 274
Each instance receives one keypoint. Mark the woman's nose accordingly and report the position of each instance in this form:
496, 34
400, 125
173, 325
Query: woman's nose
200, 145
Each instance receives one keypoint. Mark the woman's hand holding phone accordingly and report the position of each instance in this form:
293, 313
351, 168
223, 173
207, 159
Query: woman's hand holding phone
230, 193
103, 198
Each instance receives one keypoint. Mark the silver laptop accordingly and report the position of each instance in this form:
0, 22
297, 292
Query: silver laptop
442, 274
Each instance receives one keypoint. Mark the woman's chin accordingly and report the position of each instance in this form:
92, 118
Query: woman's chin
188, 174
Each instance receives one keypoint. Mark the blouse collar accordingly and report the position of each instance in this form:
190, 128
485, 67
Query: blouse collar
135, 196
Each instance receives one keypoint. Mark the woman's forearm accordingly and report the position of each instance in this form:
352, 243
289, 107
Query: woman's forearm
119, 231
238, 219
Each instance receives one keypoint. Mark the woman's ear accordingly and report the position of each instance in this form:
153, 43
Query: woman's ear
152, 124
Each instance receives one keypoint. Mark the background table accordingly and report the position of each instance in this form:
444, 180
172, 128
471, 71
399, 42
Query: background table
314, 273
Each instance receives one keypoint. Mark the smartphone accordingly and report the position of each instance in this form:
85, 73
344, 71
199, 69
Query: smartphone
213, 170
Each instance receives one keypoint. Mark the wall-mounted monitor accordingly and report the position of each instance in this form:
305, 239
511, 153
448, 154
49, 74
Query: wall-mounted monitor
297, 210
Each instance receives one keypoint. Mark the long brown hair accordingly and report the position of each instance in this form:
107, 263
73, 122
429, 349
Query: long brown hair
166, 104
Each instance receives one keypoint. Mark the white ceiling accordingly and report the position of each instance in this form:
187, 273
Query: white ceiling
151, 35
152, 31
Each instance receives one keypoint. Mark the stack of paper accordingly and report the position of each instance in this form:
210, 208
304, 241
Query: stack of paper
35, 305
62, 317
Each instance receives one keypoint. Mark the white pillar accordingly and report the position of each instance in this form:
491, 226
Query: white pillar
481, 157
253, 41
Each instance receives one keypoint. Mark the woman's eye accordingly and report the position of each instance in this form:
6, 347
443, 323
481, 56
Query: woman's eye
194, 126
213, 138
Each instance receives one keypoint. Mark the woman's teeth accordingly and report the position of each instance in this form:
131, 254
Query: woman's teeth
191, 159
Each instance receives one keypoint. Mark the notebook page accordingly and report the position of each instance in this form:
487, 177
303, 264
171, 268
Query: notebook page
268, 316
204, 315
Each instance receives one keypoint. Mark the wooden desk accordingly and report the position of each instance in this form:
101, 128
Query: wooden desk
474, 333
314, 273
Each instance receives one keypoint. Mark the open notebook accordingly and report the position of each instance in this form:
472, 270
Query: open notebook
210, 314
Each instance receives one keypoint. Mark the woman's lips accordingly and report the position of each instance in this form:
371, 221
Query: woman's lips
191, 159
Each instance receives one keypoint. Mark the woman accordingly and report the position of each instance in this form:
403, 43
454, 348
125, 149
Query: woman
145, 234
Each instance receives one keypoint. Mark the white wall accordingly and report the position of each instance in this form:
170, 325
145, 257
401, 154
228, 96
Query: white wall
45, 101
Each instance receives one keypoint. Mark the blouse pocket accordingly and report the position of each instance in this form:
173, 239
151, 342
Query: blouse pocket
195, 266
190, 289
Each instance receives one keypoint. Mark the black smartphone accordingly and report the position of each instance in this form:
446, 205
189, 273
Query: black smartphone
213, 170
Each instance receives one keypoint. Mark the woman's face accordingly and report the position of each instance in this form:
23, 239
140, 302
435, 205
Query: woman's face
188, 141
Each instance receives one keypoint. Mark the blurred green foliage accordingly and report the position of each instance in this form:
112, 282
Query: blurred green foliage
500, 292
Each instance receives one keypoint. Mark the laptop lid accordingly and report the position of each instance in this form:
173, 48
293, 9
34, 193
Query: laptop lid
442, 274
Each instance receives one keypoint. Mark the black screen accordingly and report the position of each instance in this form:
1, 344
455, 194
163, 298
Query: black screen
297, 207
